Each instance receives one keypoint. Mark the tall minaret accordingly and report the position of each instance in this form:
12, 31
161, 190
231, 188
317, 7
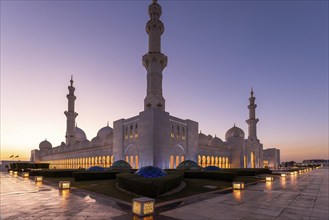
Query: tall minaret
252, 121
70, 115
154, 61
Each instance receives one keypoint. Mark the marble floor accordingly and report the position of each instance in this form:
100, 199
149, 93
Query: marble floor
304, 196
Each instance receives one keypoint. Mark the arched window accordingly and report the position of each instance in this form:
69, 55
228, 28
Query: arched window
199, 160
183, 130
131, 131
172, 134
178, 133
177, 161
208, 161
136, 131
126, 133
171, 163
136, 162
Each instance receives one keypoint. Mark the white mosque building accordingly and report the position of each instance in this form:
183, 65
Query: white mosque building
153, 137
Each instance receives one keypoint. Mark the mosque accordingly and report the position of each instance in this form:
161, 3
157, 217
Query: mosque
153, 137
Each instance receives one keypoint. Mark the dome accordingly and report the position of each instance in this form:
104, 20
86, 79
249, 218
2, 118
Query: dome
234, 132
188, 164
96, 168
85, 143
80, 134
96, 141
120, 164
45, 145
109, 139
215, 142
211, 168
105, 131
209, 137
203, 139
150, 172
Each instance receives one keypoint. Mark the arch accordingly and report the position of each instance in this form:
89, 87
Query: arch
199, 160
208, 161
131, 152
252, 159
177, 161
204, 161
177, 150
171, 162
212, 160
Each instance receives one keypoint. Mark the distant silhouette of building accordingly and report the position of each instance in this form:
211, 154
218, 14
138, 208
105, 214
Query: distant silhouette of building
153, 137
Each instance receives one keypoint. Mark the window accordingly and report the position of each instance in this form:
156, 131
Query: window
172, 132
183, 136
136, 131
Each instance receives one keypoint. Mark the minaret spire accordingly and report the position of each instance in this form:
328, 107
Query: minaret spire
252, 121
70, 115
154, 61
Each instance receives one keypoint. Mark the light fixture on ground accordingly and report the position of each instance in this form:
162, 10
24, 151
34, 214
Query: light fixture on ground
283, 175
11, 172
15, 173
300, 172
25, 174
238, 185
292, 173
295, 172
143, 206
269, 179
64, 185
38, 178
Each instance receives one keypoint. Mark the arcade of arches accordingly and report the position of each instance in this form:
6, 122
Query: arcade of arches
106, 161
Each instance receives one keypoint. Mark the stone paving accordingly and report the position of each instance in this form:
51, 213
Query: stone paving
303, 196
24, 199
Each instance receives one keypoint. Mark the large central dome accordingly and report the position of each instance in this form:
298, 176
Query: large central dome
234, 132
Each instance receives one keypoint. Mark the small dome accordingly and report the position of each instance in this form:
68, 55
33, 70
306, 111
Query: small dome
215, 142
209, 137
96, 168
150, 172
203, 139
188, 164
45, 145
96, 142
234, 132
85, 143
211, 168
80, 134
109, 139
120, 164
105, 131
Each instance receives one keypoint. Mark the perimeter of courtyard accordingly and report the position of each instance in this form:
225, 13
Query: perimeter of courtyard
304, 196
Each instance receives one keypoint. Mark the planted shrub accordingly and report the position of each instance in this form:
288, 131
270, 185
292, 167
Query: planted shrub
150, 187
52, 173
94, 175
214, 175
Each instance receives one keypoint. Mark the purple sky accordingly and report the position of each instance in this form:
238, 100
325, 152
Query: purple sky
217, 51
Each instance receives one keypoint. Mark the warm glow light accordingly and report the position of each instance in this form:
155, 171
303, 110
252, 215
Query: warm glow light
64, 185
237, 195
143, 206
269, 179
292, 173
238, 185
15, 173
295, 172
11, 172
300, 172
283, 175
25, 174
38, 178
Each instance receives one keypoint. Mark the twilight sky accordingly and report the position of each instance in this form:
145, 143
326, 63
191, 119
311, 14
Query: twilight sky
217, 51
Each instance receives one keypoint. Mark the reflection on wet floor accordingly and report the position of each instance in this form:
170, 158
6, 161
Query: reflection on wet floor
23, 198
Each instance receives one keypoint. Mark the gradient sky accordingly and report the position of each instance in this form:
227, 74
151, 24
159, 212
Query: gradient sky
217, 51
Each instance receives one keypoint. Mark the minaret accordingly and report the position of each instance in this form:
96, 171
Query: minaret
70, 115
252, 121
154, 61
